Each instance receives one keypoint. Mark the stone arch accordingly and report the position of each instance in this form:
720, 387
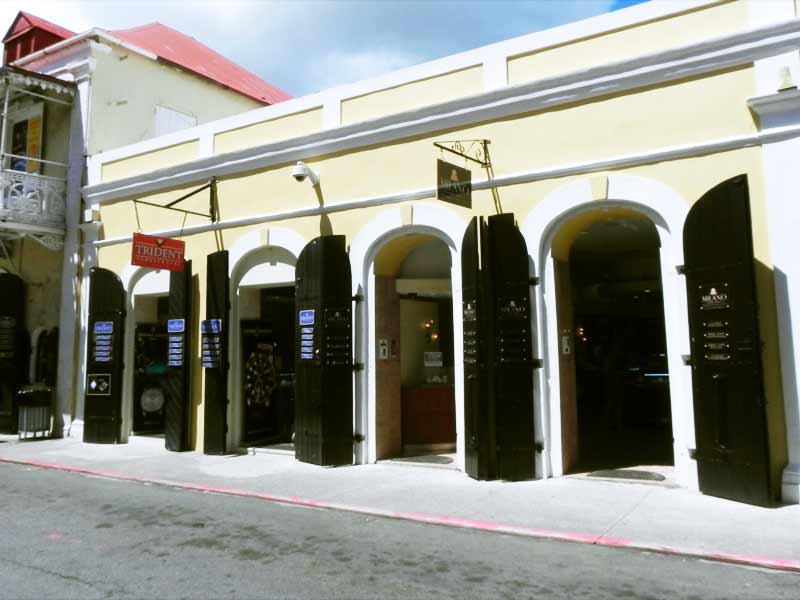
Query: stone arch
431, 219
667, 210
276, 249
144, 281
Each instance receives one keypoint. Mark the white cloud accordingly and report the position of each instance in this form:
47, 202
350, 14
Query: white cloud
304, 45
335, 68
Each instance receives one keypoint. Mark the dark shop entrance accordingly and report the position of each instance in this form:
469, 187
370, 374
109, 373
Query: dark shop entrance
614, 357
267, 365
150, 388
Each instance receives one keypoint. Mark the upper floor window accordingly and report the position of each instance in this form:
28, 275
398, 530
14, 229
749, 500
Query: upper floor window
169, 120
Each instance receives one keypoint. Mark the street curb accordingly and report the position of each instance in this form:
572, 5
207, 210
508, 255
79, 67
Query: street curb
777, 564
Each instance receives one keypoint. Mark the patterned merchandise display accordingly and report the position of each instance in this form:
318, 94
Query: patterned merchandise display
260, 376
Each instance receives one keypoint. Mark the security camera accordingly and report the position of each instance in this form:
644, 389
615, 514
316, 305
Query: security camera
301, 171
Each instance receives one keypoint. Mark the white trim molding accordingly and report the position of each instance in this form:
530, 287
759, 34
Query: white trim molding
487, 56
781, 182
555, 171
708, 56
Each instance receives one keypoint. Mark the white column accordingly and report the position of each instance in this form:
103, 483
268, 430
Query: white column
69, 278
89, 252
782, 183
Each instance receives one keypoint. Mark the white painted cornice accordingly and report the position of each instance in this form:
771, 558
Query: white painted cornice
492, 57
777, 110
565, 170
708, 56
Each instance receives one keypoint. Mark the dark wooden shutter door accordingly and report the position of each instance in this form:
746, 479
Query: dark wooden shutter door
730, 420
478, 402
215, 414
13, 357
324, 354
498, 365
512, 359
176, 423
103, 407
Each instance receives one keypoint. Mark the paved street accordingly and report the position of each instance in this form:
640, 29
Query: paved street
73, 536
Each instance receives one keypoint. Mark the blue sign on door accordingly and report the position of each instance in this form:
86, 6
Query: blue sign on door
211, 326
104, 327
306, 317
176, 325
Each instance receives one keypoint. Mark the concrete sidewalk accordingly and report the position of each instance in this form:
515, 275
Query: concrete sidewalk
623, 514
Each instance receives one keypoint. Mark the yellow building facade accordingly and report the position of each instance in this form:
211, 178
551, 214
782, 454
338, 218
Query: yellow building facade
602, 135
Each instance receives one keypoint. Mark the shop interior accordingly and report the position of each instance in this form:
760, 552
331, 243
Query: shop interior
620, 365
414, 351
267, 365
149, 364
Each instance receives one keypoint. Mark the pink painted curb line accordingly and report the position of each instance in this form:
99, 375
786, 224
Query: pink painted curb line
779, 564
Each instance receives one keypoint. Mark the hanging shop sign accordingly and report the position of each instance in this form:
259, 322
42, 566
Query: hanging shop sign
157, 252
453, 184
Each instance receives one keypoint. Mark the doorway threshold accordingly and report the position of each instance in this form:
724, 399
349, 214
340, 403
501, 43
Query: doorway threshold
436, 456
283, 449
658, 475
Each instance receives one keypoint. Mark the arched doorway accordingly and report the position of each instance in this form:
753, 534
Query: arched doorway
262, 350
613, 368
414, 360
145, 396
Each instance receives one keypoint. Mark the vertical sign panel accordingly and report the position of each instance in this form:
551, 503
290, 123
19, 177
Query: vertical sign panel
179, 330
215, 353
730, 420
103, 408
324, 354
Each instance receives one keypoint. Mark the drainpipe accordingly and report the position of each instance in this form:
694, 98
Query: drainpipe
3, 138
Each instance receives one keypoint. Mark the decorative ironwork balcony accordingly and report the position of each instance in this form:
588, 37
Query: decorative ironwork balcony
31, 199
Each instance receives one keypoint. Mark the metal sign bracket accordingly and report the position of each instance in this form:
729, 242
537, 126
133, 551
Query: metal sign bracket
213, 208
475, 150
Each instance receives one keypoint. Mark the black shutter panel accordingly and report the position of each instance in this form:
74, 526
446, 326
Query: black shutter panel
498, 364
176, 422
324, 354
103, 407
512, 358
476, 381
730, 421
216, 391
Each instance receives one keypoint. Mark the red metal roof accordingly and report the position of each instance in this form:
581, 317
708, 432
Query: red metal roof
25, 21
186, 52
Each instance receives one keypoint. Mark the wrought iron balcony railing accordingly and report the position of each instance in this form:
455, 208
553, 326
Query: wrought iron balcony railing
31, 199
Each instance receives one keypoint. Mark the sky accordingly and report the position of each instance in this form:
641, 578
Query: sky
303, 46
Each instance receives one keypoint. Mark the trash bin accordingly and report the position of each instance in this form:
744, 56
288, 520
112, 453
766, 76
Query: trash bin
35, 403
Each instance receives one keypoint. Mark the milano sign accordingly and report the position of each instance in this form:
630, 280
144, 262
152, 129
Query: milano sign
157, 252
